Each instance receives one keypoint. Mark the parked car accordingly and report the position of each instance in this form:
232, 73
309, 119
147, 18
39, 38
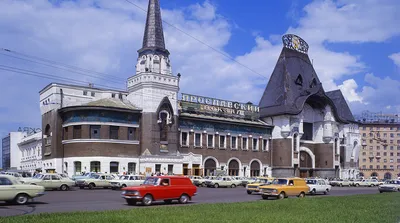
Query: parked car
50, 181
196, 180
285, 187
96, 180
224, 181
166, 188
390, 186
13, 191
127, 181
254, 187
318, 186
367, 183
84, 176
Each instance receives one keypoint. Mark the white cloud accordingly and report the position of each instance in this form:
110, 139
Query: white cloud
104, 36
396, 58
348, 89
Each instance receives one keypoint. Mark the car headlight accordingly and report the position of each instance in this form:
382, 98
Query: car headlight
274, 190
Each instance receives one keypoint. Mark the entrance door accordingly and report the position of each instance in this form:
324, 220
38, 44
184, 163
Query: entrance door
303, 173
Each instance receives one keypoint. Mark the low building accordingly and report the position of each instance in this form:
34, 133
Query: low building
30, 149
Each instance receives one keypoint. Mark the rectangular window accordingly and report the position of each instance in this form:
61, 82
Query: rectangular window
210, 141
244, 143
120, 96
95, 132
378, 167
308, 131
170, 169
77, 133
158, 168
131, 133
364, 166
364, 160
233, 142
384, 166
184, 139
113, 95
222, 143
114, 132
255, 144
84, 92
378, 147
93, 94
197, 139
65, 133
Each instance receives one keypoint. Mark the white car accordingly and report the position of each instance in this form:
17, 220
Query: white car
127, 181
318, 186
390, 186
13, 191
367, 183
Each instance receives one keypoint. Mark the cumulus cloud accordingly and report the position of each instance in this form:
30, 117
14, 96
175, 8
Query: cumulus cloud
103, 36
396, 58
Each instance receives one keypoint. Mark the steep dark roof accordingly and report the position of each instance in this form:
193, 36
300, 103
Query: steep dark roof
341, 105
293, 83
153, 39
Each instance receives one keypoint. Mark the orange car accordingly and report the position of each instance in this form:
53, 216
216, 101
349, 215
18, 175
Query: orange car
166, 188
284, 187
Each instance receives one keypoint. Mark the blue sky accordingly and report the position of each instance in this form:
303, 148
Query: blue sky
354, 45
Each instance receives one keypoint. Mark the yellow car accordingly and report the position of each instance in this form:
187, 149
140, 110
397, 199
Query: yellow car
285, 187
254, 187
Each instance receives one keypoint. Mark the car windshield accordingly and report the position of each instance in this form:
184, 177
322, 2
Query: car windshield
151, 181
261, 181
95, 176
124, 178
38, 176
280, 181
219, 178
311, 182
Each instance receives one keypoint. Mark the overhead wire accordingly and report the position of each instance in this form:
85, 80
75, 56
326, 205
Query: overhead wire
202, 42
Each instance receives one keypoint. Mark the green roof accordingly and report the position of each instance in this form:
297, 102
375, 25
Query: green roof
112, 102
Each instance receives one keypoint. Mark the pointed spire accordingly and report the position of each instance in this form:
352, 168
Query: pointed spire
153, 38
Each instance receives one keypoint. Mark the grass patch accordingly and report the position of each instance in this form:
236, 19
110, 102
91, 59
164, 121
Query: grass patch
380, 208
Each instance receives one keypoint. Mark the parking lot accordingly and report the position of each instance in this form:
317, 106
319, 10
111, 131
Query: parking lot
106, 199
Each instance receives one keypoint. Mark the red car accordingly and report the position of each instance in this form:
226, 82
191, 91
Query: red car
166, 188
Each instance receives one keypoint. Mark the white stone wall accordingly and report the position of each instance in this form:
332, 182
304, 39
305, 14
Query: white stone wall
146, 90
30, 148
15, 154
50, 98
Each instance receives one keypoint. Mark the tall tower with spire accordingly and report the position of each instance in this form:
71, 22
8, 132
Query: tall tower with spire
155, 89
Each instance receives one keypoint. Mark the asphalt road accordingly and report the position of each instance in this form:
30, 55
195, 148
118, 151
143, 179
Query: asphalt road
107, 199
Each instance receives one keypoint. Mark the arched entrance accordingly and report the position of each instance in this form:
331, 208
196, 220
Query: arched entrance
209, 167
374, 174
254, 169
306, 165
387, 176
361, 174
233, 168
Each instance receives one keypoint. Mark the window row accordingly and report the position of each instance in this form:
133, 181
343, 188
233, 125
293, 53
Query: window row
379, 154
224, 141
93, 132
379, 167
384, 147
378, 160
95, 166
382, 128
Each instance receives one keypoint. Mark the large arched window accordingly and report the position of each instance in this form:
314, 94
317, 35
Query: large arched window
336, 146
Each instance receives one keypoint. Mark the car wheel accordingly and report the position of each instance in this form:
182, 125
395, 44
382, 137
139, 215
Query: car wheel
184, 199
302, 194
130, 202
123, 185
64, 187
147, 200
168, 201
357, 185
372, 185
203, 184
248, 192
326, 191
313, 191
91, 186
281, 195
380, 191
233, 186
264, 197
216, 185
21, 199
81, 187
